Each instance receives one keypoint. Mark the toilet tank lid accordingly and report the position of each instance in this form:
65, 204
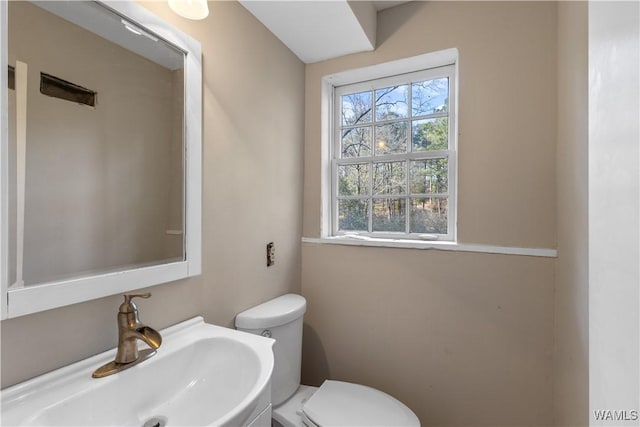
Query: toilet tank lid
275, 312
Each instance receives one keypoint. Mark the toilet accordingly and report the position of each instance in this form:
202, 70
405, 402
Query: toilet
334, 403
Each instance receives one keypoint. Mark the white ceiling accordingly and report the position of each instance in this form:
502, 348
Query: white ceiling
382, 5
319, 30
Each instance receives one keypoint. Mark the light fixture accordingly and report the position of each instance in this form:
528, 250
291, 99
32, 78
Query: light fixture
190, 9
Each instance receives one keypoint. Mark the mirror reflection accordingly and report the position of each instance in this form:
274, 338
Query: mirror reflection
96, 143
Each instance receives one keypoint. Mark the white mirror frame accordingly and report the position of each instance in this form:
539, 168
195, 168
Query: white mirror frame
35, 298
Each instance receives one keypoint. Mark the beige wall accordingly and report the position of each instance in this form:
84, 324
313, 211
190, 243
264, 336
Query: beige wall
96, 178
174, 242
253, 96
507, 112
463, 339
571, 355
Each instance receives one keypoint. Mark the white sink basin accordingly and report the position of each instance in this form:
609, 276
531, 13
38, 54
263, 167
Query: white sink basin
201, 375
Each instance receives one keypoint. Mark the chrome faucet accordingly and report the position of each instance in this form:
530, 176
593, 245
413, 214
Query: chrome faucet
130, 330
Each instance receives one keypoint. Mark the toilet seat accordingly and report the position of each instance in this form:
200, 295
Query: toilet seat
338, 403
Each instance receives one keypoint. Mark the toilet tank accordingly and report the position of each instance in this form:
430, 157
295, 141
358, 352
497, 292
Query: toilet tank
280, 319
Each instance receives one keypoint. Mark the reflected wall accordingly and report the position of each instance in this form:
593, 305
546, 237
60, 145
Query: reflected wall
103, 186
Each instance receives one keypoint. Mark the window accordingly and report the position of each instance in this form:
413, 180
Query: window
393, 156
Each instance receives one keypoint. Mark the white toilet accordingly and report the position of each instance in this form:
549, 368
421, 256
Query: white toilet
334, 403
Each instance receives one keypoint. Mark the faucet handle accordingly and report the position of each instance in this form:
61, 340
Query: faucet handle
127, 297
128, 306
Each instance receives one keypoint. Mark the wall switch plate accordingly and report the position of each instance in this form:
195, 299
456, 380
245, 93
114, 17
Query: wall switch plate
271, 254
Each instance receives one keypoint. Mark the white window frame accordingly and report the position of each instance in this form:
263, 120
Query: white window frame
420, 68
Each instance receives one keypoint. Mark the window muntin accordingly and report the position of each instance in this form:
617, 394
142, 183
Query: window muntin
393, 157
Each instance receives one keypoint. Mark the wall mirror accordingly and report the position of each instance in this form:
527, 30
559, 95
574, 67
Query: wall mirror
101, 142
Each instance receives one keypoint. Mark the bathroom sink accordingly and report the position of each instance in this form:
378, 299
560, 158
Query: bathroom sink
201, 375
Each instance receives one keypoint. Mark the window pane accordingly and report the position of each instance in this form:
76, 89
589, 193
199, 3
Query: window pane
389, 178
389, 215
429, 176
428, 215
353, 215
356, 142
391, 102
356, 108
431, 96
353, 180
430, 134
391, 138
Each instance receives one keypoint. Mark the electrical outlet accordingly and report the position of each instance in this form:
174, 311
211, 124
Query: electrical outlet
271, 254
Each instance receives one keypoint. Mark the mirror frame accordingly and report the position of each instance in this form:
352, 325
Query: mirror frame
40, 297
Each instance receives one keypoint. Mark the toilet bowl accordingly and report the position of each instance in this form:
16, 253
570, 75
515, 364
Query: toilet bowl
334, 403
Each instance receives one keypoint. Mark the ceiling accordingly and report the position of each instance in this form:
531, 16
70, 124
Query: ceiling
382, 5
320, 30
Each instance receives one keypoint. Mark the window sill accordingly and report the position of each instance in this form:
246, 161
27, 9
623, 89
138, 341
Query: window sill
433, 245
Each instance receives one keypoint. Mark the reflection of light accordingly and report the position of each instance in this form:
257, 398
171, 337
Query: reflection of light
382, 145
190, 9
130, 28
137, 31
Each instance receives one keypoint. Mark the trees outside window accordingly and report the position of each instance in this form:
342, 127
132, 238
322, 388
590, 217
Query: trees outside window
393, 156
